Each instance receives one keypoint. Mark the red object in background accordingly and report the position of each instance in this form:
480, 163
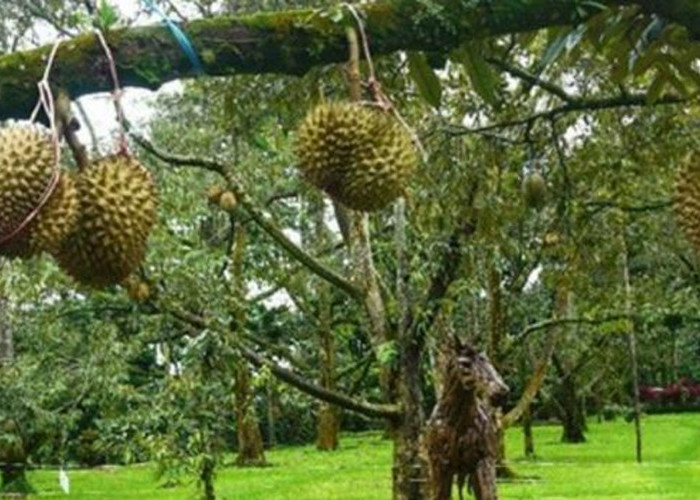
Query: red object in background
683, 391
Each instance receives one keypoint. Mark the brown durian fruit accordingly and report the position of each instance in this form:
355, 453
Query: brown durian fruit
118, 208
27, 161
361, 156
686, 200
137, 290
534, 191
214, 193
227, 201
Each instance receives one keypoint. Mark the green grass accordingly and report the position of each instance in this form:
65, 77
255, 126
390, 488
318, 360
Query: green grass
601, 469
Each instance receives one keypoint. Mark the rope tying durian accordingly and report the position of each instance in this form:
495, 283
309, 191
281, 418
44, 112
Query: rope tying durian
116, 94
45, 102
380, 98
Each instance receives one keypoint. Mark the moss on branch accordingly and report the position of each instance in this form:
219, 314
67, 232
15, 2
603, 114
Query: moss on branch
289, 42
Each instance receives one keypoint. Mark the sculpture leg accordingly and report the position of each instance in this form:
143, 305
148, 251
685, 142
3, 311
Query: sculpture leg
484, 480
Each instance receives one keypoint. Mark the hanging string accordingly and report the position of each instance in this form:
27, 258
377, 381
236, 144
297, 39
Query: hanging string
179, 36
380, 98
47, 103
116, 94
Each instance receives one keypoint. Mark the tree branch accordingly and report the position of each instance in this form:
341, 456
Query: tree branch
268, 226
531, 79
293, 379
290, 42
578, 105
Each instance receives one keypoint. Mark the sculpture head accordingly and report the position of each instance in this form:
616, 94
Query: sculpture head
478, 374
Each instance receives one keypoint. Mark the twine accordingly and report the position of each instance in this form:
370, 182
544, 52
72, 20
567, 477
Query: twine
46, 101
380, 98
116, 94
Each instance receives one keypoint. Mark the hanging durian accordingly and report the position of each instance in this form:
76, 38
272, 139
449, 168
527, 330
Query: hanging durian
228, 201
27, 164
214, 193
361, 156
686, 200
137, 290
534, 190
118, 201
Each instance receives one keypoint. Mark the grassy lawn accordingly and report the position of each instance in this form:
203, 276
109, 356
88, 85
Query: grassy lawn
603, 468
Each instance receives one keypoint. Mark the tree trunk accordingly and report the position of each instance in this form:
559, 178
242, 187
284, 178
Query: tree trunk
409, 478
329, 415
250, 442
528, 439
206, 478
497, 331
571, 411
632, 342
271, 407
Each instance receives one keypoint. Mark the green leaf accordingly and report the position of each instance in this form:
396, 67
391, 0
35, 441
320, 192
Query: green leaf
107, 16
387, 353
426, 80
482, 77
656, 88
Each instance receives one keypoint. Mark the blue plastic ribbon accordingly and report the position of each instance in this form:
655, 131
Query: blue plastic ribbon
179, 35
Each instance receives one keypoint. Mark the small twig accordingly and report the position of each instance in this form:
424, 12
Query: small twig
576, 106
531, 79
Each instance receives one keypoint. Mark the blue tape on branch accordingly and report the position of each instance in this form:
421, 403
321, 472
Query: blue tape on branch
179, 35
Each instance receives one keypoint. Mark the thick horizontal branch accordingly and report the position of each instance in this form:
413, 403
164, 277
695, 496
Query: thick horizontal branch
290, 42
265, 224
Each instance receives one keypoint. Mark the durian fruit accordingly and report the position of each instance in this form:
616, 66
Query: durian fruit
137, 290
361, 156
27, 162
534, 190
227, 201
117, 210
51, 226
686, 200
214, 193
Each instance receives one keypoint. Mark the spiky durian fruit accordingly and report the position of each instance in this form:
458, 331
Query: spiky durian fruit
118, 201
360, 156
27, 162
51, 226
534, 190
686, 200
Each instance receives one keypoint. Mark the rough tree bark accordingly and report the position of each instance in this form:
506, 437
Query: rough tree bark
249, 437
329, 415
569, 405
291, 42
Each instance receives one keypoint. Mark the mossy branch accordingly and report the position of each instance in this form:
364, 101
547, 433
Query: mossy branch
290, 42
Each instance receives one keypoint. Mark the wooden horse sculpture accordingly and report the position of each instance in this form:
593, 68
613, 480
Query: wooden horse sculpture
461, 436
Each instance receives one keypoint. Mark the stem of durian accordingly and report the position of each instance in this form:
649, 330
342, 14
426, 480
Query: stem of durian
68, 126
353, 68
